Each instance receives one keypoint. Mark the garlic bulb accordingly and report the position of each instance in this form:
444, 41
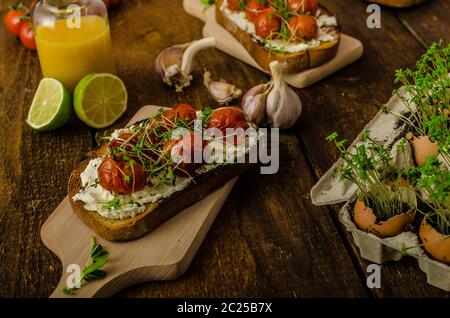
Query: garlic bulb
175, 63
274, 103
283, 104
254, 103
221, 91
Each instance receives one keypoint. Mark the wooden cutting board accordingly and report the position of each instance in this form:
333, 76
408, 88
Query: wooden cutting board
163, 254
350, 49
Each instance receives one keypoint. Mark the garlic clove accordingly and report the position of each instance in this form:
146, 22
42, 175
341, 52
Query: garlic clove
175, 63
254, 103
283, 108
168, 66
221, 91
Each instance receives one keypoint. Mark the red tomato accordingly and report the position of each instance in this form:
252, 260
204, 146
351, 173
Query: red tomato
228, 117
303, 27
302, 6
26, 35
253, 8
121, 177
185, 111
234, 5
124, 138
184, 150
267, 23
127, 142
171, 116
12, 20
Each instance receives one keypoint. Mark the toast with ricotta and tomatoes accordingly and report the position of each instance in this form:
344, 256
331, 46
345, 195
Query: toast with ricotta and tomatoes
146, 173
299, 33
398, 3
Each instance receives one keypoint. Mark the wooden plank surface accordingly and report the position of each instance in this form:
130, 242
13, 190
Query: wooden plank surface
346, 102
268, 240
429, 22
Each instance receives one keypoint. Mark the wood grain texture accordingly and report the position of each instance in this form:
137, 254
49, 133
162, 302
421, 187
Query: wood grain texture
353, 96
429, 22
268, 240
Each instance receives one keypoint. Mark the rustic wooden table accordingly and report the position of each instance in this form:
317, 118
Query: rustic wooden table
269, 240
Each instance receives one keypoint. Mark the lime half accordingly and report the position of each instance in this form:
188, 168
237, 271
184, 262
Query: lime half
51, 107
100, 99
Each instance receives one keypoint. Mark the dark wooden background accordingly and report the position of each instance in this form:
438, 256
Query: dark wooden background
269, 240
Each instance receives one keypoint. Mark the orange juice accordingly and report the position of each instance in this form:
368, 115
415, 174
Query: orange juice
68, 54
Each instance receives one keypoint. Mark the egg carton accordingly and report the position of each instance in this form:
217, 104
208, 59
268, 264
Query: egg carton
378, 250
330, 190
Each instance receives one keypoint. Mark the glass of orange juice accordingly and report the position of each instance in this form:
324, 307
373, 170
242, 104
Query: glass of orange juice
73, 39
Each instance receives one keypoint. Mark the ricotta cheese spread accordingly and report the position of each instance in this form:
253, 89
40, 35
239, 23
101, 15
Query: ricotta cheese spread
323, 35
112, 206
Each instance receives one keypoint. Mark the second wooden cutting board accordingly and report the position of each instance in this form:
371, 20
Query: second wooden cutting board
163, 254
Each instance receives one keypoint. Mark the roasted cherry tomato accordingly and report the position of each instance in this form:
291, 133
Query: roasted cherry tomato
125, 141
234, 5
13, 19
185, 111
121, 177
228, 117
171, 116
129, 141
253, 8
26, 35
267, 23
303, 27
186, 153
302, 6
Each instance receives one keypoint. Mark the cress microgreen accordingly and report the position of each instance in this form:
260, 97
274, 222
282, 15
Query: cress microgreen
426, 89
369, 165
434, 185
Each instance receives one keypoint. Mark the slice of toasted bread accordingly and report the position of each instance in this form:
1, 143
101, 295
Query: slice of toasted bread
155, 213
294, 62
398, 3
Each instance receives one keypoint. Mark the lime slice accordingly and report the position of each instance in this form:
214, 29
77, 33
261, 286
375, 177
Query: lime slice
51, 107
100, 99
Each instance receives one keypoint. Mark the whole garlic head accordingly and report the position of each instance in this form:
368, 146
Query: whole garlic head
274, 103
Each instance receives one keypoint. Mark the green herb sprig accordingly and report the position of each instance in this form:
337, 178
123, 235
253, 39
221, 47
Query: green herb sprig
92, 272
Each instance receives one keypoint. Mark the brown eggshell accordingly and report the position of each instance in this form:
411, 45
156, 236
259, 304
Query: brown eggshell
365, 219
422, 148
434, 243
